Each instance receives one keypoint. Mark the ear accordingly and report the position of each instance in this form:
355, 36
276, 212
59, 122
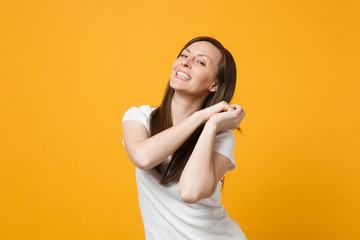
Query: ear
214, 86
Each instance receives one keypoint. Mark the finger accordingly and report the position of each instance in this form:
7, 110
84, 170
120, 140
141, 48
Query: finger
226, 107
242, 112
238, 108
235, 106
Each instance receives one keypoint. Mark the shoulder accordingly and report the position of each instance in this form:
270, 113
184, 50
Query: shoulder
144, 109
225, 145
140, 114
134, 113
225, 136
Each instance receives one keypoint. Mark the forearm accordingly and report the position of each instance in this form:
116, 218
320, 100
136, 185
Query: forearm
152, 151
198, 179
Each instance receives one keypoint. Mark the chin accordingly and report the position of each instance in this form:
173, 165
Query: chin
176, 85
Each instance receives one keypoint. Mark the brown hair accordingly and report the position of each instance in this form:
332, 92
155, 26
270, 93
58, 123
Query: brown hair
160, 118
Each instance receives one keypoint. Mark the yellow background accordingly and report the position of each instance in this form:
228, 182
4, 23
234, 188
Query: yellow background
70, 69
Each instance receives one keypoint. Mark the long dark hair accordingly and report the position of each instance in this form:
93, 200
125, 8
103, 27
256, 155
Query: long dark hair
160, 118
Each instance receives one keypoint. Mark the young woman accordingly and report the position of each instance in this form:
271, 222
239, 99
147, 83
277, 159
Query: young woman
183, 148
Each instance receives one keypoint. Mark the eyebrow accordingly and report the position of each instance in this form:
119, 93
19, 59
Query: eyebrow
199, 54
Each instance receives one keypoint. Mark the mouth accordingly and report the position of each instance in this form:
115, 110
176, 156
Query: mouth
182, 75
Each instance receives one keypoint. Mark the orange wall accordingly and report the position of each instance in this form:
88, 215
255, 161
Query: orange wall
70, 69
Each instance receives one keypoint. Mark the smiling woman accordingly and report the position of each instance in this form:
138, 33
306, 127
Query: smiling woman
198, 67
183, 148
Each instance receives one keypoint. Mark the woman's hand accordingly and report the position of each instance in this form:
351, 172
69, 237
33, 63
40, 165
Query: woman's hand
208, 112
227, 119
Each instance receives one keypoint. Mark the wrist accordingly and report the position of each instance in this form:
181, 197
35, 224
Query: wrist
198, 118
211, 125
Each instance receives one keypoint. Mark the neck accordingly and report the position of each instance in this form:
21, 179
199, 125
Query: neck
182, 106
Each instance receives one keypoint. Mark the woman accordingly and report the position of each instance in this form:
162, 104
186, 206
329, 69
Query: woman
183, 148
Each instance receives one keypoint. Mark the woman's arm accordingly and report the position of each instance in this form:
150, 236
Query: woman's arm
147, 152
205, 167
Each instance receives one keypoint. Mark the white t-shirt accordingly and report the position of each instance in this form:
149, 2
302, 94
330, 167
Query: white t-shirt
166, 216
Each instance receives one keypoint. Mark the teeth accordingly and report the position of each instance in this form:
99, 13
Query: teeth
183, 75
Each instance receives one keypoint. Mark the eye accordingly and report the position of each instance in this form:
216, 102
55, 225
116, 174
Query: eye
183, 55
201, 62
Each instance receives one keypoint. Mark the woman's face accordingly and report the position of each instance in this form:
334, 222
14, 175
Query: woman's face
194, 72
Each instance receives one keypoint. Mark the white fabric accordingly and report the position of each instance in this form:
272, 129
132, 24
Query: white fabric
166, 216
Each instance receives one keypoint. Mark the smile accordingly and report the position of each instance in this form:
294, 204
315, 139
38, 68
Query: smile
183, 75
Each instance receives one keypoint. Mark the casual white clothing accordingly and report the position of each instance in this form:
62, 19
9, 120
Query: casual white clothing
166, 216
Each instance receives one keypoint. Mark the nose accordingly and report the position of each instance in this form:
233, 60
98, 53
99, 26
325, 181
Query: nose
185, 63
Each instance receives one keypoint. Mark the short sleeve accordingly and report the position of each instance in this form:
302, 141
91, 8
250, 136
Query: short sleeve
140, 114
225, 144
